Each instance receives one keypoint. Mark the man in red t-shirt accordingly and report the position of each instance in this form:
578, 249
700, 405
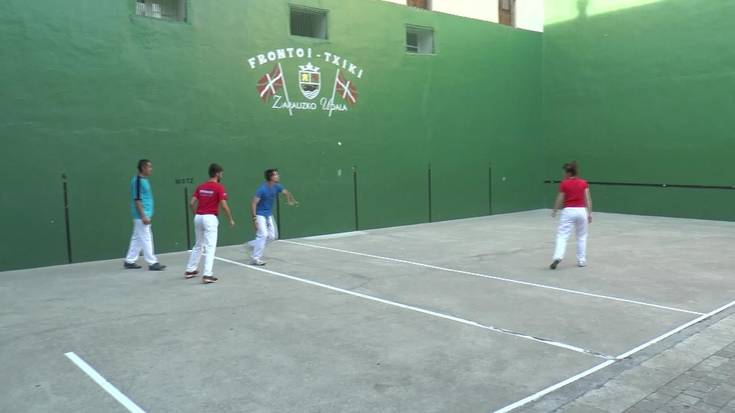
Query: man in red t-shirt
574, 194
205, 203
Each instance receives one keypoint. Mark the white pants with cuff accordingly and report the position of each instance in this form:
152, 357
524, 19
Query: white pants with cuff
141, 240
572, 218
205, 229
267, 232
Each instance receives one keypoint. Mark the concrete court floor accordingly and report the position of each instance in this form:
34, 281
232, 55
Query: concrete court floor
259, 342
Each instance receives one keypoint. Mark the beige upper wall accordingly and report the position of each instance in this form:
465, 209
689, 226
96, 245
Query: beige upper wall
529, 13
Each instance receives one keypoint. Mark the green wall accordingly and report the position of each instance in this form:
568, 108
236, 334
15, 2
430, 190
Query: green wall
88, 89
643, 91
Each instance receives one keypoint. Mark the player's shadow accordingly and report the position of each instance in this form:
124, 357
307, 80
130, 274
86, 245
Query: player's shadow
582, 9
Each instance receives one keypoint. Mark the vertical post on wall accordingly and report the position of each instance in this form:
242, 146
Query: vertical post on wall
186, 218
354, 195
429, 191
278, 214
490, 188
66, 217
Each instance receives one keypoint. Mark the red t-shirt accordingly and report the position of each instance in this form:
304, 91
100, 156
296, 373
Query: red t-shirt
573, 189
209, 194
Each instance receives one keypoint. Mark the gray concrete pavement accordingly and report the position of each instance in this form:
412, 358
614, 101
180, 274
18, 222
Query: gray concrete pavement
257, 342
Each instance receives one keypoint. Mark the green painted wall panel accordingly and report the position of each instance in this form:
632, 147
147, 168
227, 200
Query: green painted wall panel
663, 201
89, 89
32, 201
642, 93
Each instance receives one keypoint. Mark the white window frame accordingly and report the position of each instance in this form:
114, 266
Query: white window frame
419, 31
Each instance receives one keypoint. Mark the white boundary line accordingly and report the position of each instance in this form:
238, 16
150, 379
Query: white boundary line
676, 330
526, 283
424, 311
627, 354
102, 382
556, 386
337, 235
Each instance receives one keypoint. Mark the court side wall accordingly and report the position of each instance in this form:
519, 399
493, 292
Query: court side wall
643, 91
89, 88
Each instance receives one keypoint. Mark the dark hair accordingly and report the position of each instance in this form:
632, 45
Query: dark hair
269, 173
570, 168
214, 169
142, 163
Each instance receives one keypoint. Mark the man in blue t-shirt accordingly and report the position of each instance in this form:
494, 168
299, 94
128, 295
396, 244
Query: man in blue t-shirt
141, 208
262, 213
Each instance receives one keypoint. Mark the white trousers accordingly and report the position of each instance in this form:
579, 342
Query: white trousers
267, 232
572, 218
141, 240
205, 229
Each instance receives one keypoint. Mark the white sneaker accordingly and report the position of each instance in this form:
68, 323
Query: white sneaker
256, 261
581, 264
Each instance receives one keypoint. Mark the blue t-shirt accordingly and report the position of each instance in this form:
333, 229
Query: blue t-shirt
140, 189
267, 195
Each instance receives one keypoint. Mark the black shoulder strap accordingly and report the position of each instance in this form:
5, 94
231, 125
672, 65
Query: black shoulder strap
137, 187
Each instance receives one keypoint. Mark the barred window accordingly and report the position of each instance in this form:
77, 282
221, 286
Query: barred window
162, 9
309, 22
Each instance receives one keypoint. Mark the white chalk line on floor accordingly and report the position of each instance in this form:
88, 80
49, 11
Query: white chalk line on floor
509, 280
102, 382
425, 311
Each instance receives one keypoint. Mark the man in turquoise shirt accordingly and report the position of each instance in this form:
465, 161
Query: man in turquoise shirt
141, 208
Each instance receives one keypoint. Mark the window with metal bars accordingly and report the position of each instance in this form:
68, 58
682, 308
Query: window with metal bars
162, 9
506, 12
309, 22
421, 4
419, 40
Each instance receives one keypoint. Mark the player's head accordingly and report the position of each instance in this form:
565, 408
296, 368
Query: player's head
216, 171
271, 175
570, 169
145, 167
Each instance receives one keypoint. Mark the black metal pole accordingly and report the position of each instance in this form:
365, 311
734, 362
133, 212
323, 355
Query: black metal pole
354, 193
278, 214
429, 183
490, 189
66, 218
186, 218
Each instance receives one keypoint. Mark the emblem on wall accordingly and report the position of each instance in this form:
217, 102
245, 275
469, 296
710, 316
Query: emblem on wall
273, 89
310, 81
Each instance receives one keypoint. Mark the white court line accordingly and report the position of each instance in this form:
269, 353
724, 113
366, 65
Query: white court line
102, 382
337, 235
676, 330
627, 354
550, 389
424, 311
526, 283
